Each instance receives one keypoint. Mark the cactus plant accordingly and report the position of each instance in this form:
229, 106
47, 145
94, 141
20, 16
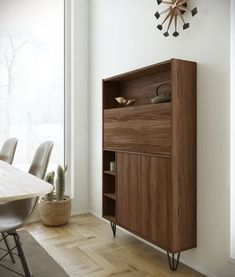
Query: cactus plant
55, 208
50, 179
60, 183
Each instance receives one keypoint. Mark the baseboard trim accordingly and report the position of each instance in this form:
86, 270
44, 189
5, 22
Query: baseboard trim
193, 266
76, 213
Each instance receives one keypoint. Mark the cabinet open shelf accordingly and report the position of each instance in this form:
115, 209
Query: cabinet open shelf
139, 84
109, 206
110, 172
110, 218
109, 186
110, 195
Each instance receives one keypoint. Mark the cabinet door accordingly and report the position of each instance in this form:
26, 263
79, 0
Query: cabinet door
128, 191
156, 200
140, 129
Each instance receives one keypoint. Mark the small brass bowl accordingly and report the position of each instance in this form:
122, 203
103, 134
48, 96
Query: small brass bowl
124, 102
121, 100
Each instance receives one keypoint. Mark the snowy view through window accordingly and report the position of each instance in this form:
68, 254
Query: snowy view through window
32, 76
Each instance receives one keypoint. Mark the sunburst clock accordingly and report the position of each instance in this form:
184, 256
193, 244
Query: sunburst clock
175, 10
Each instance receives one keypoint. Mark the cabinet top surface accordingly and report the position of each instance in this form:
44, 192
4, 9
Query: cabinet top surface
148, 70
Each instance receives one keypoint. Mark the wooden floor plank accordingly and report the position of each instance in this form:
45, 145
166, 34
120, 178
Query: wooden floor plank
85, 247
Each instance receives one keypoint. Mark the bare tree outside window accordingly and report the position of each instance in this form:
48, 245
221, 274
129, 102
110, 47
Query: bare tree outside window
32, 76
7, 59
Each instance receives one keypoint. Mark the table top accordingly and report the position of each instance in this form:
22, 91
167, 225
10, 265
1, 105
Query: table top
16, 184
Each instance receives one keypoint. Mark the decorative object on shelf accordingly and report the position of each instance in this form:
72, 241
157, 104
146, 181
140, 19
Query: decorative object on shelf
161, 99
164, 95
55, 207
112, 166
123, 102
175, 10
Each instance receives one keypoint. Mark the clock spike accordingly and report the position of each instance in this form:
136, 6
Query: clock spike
175, 34
170, 21
168, 15
194, 11
180, 15
159, 2
166, 34
159, 26
186, 26
157, 15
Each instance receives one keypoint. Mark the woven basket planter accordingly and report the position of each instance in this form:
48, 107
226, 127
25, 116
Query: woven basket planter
55, 213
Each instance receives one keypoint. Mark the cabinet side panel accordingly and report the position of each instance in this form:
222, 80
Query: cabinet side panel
128, 191
184, 154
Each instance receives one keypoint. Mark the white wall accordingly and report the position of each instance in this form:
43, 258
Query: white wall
123, 36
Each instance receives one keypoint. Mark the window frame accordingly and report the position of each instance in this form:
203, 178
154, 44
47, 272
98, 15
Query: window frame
231, 189
69, 95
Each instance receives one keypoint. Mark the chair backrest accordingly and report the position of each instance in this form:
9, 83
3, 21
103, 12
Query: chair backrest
41, 158
7, 152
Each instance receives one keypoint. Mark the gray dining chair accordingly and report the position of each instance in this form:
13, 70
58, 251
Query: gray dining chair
41, 159
7, 152
15, 214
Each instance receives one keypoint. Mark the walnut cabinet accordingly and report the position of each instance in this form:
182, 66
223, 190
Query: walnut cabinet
151, 191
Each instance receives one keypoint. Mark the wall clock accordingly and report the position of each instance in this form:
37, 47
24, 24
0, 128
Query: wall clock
174, 11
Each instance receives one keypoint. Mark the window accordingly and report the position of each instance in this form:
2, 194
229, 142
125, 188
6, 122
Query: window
32, 95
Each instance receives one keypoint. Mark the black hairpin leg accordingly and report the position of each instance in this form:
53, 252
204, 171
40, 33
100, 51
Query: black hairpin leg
22, 256
113, 226
173, 263
4, 235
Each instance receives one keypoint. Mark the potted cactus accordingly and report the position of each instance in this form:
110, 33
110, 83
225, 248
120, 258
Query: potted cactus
55, 207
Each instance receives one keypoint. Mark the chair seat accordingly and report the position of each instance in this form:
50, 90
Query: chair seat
9, 224
15, 214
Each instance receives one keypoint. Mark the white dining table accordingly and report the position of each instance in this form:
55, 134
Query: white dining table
16, 184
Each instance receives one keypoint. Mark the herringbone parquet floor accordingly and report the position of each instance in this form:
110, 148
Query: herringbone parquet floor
85, 247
